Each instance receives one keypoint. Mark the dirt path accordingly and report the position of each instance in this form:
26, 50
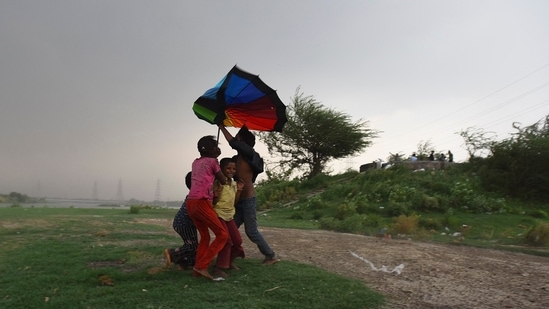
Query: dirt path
434, 276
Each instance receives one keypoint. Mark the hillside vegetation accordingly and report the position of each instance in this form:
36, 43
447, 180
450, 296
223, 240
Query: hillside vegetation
450, 205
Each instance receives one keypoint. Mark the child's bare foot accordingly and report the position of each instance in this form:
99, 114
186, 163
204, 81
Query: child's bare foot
168, 258
218, 272
202, 272
270, 261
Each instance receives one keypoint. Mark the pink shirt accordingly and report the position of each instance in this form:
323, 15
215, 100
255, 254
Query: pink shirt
203, 176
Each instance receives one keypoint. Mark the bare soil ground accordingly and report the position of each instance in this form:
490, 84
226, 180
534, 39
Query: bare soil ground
434, 276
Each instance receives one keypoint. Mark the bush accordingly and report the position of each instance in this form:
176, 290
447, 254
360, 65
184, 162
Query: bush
430, 224
406, 224
134, 209
485, 204
353, 224
315, 203
429, 203
396, 209
329, 223
517, 166
538, 235
345, 210
373, 221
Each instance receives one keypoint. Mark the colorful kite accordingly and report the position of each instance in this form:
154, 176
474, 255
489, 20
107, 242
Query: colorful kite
239, 99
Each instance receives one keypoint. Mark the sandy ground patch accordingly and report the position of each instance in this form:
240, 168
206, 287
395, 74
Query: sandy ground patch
432, 276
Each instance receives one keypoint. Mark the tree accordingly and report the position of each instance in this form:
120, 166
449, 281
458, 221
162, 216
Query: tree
18, 197
519, 166
314, 135
476, 140
424, 149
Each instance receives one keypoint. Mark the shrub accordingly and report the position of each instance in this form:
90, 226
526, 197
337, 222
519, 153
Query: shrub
450, 220
134, 209
353, 224
396, 209
461, 194
406, 224
485, 204
538, 235
429, 203
315, 203
318, 181
429, 224
329, 223
401, 194
345, 210
373, 220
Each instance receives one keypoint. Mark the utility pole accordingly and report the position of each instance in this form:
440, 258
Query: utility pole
157, 197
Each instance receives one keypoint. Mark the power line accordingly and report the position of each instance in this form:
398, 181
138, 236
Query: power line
459, 111
453, 113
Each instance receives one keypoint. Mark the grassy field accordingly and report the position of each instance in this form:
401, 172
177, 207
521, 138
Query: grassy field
95, 258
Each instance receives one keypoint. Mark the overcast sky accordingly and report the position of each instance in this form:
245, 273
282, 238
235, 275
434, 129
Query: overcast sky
101, 92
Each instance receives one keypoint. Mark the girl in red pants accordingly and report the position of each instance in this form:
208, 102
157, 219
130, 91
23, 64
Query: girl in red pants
199, 205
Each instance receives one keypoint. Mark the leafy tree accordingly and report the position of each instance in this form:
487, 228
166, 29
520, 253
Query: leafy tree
18, 197
314, 135
476, 141
424, 149
519, 166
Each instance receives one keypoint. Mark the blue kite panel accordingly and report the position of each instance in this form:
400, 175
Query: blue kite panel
243, 89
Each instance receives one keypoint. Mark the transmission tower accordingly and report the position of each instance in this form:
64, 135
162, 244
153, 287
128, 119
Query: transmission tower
157, 197
120, 192
95, 195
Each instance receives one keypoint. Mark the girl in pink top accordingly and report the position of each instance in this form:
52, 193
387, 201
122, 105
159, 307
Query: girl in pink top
200, 208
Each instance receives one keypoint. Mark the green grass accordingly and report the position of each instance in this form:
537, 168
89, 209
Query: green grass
62, 258
445, 201
495, 231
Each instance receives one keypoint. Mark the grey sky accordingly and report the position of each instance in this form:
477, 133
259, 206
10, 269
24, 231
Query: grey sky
98, 91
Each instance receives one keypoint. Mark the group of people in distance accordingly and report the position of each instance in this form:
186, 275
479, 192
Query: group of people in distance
440, 157
221, 198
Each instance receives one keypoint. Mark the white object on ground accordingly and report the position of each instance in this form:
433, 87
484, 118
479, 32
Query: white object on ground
383, 268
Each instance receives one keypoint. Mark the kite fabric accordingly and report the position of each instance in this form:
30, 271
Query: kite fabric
239, 99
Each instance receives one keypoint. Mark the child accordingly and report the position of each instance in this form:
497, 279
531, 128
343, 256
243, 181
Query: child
199, 205
185, 255
248, 165
225, 197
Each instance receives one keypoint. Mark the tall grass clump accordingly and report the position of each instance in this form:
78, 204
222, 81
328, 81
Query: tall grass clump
406, 224
538, 235
134, 209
